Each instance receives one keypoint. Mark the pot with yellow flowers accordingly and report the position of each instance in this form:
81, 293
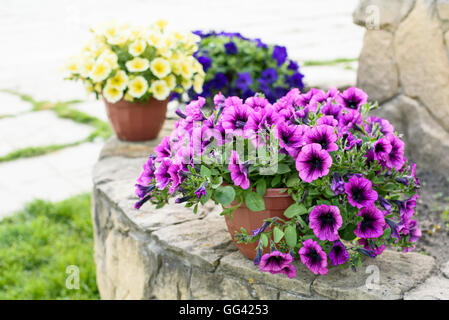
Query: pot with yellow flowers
134, 70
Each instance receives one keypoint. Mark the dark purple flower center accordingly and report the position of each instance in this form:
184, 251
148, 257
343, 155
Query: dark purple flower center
379, 148
357, 194
337, 250
239, 124
275, 260
314, 256
352, 103
323, 142
367, 223
327, 219
316, 163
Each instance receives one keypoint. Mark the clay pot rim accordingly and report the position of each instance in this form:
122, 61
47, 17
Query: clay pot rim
122, 103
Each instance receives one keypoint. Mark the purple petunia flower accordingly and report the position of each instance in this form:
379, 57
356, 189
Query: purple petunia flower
360, 192
277, 262
193, 110
410, 228
279, 54
372, 223
395, 159
201, 191
292, 65
406, 207
349, 119
295, 80
382, 149
235, 115
324, 135
313, 162
338, 254
206, 62
384, 203
142, 191
219, 81
163, 150
325, 221
230, 47
162, 175
328, 120
370, 249
257, 103
331, 109
313, 256
385, 126
291, 137
337, 184
147, 174
239, 172
352, 98
219, 100
270, 75
243, 81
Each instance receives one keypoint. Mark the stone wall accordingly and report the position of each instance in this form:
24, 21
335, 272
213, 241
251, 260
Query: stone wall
172, 253
404, 64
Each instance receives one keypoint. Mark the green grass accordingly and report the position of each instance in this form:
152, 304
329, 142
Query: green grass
39, 243
333, 62
35, 151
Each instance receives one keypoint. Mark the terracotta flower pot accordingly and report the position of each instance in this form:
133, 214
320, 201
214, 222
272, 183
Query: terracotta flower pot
134, 121
275, 205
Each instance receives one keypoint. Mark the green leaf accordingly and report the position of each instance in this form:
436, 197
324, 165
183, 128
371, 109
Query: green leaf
205, 172
301, 221
276, 180
218, 181
283, 168
277, 234
224, 195
261, 187
290, 236
295, 209
264, 239
293, 181
254, 201
348, 232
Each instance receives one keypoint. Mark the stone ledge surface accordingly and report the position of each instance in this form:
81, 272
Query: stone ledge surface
172, 253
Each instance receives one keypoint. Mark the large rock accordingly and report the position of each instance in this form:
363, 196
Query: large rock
427, 143
443, 9
171, 253
423, 61
435, 288
381, 14
377, 73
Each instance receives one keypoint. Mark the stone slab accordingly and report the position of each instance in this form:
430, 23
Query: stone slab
325, 77
42, 128
55, 176
435, 288
11, 104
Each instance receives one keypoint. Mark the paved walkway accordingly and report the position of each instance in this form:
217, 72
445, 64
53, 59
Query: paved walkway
38, 36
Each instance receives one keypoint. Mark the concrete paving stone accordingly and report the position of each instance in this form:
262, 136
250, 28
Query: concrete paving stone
55, 176
92, 107
11, 104
40, 128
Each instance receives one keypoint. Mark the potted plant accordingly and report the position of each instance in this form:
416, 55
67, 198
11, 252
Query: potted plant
134, 69
239, 66
309, 177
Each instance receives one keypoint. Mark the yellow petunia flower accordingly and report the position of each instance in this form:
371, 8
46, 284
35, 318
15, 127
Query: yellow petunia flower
137, 47
86, 67
100, 71
198, 83
160, 90
160, 67
154, 40
112, 93
119, 80
137, 65
186, 83
73, 65
137, 87
162, 23
186, 69
171, 81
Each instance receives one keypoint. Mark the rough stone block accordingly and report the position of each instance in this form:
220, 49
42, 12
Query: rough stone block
435, 288
377, 74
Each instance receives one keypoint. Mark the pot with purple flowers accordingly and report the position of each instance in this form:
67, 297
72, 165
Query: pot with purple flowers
309, 178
